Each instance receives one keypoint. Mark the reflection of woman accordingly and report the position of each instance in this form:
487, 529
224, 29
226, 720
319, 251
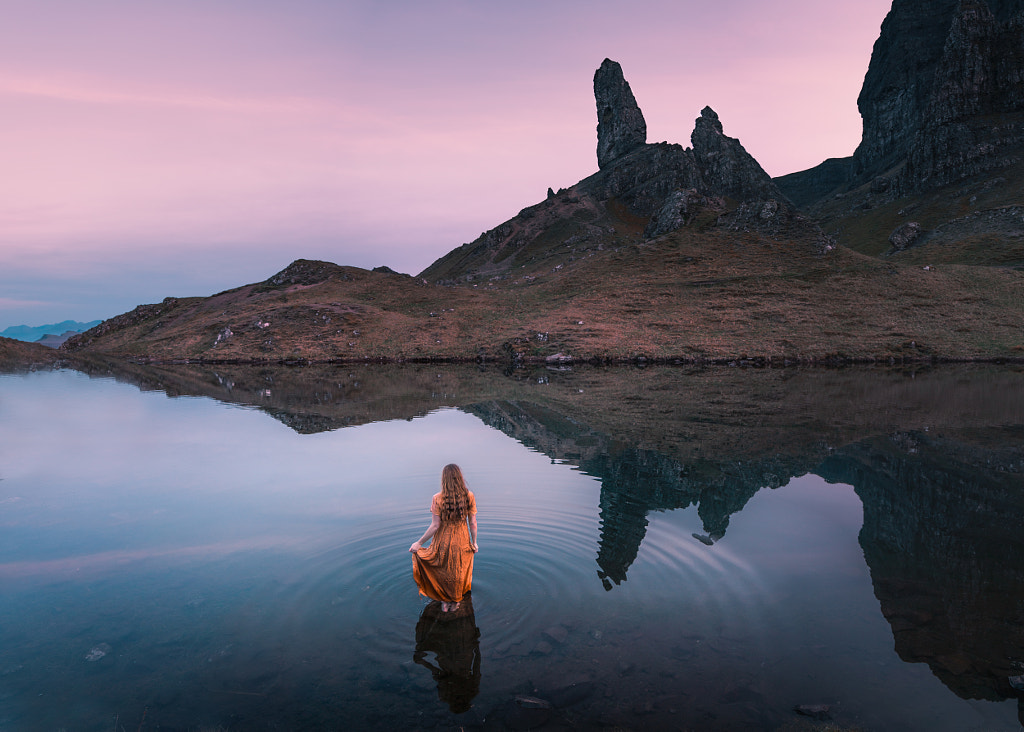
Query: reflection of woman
444, 570
454, 640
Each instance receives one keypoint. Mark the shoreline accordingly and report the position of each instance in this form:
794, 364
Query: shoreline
837, 361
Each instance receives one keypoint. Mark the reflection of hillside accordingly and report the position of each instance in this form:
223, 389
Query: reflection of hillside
943, 539
308, 399
658, 438
690, 414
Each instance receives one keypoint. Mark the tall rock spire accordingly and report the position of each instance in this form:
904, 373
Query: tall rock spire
620, 123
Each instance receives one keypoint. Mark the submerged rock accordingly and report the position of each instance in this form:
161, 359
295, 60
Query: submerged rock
817, 711
97, 652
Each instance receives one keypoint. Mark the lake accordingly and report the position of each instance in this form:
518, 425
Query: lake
226, 548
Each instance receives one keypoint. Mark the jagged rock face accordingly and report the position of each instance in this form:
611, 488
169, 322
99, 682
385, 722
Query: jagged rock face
728, 169
973, 119
899, 80
943, 99
678, 209
620, 123
644, 178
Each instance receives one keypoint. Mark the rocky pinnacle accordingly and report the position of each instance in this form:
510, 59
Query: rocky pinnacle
727, 169
620, 123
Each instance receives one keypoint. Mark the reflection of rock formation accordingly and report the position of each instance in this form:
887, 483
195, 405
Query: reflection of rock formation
943, 539
635, 481
454, 640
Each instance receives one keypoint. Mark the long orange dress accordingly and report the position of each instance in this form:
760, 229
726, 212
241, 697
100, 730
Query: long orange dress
444, 570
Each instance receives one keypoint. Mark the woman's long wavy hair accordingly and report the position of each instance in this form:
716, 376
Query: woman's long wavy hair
454, 494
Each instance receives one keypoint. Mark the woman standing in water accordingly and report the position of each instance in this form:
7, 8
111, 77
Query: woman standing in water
444, 570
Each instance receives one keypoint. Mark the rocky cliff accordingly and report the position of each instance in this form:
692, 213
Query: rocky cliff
641, 190
943, 100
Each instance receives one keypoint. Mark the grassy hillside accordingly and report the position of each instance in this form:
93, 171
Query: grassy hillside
705, 292
21, 356
979, 221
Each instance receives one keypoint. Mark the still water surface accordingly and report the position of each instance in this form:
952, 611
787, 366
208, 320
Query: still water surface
190, 563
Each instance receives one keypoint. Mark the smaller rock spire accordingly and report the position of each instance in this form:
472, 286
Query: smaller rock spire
728, 169
708, 117
620, 123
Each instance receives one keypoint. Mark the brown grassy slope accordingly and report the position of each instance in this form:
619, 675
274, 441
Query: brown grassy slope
863, 221
20, 356
698, 293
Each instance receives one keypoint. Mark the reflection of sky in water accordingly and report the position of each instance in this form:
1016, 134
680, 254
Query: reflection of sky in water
104, 468
215, 550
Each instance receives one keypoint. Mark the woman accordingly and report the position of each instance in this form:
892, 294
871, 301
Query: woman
444, 570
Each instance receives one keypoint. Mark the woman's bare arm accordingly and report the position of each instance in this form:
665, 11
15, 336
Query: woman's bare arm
435, 523
472, 531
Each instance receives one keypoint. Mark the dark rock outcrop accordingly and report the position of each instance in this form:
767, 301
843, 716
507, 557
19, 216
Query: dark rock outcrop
643, 179
899, 81
905, 236
808, 186
652, 187
678, 209
727, 169
303, 272
620, 123
973, 120
943, 100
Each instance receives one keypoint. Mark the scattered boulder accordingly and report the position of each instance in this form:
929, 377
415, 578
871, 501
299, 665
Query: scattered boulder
905, 236
881, 184
557, 633
526, 712
571, 694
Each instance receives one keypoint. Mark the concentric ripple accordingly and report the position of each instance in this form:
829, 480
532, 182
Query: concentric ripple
536, 569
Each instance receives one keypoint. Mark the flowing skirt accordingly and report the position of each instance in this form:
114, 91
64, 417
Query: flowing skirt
444, 570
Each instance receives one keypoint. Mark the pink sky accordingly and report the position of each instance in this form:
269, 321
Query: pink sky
180, 148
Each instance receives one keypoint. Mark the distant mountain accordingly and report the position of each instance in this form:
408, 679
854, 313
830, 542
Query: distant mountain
55, 341
35, 333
